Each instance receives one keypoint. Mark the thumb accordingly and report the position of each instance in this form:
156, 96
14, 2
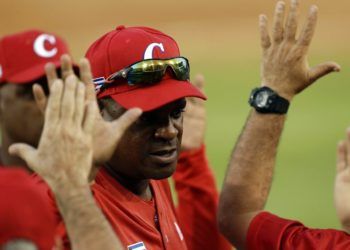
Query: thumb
323, 69
199, 81
123, 123
22, 150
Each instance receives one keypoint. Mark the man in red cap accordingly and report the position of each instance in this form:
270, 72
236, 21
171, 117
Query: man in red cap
142, 67
22, 60
27, 221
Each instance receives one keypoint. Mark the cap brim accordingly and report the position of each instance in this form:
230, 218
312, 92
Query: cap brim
33, 73
152, 97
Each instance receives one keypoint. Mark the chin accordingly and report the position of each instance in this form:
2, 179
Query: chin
163, 172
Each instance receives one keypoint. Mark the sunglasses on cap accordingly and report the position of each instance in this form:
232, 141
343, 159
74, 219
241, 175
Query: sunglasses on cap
147, 72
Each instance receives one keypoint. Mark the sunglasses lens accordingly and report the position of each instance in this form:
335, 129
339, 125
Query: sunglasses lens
148, 66
180, 67
144, 77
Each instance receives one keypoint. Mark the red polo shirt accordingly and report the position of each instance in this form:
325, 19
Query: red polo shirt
269, 232
154, 224
134, 220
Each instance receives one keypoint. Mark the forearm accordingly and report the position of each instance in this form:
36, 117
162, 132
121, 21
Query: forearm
249, 175
198, 201
87, 227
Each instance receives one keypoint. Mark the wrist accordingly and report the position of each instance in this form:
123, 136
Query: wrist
346, 227
281, 92
345, 221
66, 181
70, 195
69, 189
266, 100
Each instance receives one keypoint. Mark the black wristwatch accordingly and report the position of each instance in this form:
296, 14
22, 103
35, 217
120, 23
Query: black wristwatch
267, 101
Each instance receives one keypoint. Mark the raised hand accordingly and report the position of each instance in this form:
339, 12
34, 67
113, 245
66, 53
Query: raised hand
64, 159
284, 67
342, 182
64, 154
195, 120
68, 140
105, 133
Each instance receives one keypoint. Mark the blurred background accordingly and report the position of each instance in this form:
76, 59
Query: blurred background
221, 40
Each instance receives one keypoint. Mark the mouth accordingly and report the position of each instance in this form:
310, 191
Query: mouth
165, 156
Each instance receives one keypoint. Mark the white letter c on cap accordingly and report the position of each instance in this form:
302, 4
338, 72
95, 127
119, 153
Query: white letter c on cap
39, 46
149, 51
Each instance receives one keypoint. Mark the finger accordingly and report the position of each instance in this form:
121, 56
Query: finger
52, 112
264, 33
90, 115
199, 81
39, 97
79, 104
309, 28
193, 111
277, 30
68, 102
86, 77
51, 74
341, 156
292, 22
24, 151
66, 66
323, 69
123, 123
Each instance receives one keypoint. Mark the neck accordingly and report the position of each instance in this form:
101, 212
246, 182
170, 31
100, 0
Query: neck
6, 158
140, 188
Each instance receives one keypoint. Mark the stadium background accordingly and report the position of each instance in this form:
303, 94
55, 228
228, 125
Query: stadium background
221, 40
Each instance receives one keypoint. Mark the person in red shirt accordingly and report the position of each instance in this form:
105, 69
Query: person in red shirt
23, 56
18, 105
65, 165
285, 73
142, 67
26, 218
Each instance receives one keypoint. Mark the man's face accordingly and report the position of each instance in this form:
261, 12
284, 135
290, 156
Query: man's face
20, 117
150, 147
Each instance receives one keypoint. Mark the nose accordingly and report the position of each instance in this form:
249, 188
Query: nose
167, 132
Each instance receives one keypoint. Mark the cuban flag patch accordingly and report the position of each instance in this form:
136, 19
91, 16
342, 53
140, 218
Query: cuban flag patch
137, 246
98, 82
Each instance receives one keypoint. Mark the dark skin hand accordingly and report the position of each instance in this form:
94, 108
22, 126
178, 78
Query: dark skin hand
284, 69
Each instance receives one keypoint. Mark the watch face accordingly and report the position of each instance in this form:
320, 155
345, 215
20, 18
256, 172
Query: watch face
261, 99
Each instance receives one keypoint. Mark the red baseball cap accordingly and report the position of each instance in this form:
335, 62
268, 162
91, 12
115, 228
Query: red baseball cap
121, 48
24, 210
24, 55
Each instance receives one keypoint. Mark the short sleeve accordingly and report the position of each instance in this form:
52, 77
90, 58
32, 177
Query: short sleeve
270, 232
